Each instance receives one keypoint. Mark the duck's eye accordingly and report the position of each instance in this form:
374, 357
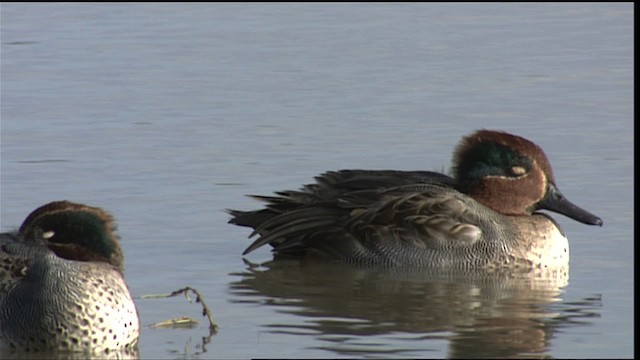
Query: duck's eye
48, 234
518, 170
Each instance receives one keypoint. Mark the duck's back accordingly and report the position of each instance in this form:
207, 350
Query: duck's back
330, 187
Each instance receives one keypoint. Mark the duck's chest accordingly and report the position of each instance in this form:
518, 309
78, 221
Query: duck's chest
541, 242
73, 308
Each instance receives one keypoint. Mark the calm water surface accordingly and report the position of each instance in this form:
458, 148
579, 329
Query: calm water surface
167, 114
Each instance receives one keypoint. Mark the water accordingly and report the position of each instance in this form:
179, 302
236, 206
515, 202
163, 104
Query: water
167, 114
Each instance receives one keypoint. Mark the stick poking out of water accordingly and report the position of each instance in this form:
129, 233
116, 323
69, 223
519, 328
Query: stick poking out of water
213, 326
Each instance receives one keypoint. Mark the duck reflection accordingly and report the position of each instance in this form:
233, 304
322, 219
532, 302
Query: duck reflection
478, 314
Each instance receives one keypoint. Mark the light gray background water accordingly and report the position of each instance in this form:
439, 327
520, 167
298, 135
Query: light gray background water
166, 114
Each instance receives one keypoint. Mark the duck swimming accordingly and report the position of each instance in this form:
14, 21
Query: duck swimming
485, 216
61, 284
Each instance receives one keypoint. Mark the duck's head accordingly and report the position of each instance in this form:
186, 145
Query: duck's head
74, 232
511, 175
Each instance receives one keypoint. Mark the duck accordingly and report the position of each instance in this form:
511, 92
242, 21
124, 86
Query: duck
484, 215
62, 286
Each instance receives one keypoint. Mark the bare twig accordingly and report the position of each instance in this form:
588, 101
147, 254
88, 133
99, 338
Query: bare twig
213, 326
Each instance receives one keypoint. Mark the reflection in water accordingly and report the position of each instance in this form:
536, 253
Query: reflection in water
193, 347
478, 314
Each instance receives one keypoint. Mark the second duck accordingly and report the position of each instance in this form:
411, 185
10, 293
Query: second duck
485, 216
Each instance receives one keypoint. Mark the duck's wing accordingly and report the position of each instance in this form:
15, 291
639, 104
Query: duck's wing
370, 222
426, 216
